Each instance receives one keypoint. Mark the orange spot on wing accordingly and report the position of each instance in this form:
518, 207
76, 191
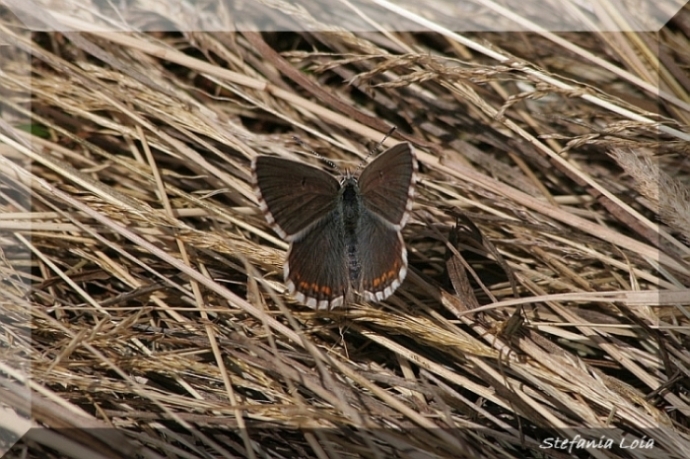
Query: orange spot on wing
387, 276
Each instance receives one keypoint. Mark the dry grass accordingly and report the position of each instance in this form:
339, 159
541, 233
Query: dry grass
153, 294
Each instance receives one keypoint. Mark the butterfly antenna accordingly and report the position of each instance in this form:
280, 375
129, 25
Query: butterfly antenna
318, 156
378, 145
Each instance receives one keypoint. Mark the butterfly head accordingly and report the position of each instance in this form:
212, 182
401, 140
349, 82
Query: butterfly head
346, 177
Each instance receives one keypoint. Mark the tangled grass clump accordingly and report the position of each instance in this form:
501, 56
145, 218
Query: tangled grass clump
142, 293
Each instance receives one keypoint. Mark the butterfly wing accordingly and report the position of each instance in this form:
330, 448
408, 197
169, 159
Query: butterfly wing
382, 258
292, 195
316, 267
387, 184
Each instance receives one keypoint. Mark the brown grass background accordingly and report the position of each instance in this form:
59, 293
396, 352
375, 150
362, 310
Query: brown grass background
142, 295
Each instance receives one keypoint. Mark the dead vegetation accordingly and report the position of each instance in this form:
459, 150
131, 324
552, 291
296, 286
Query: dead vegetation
549, 248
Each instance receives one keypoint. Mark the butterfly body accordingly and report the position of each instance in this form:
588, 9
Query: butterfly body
351, 210
344, 236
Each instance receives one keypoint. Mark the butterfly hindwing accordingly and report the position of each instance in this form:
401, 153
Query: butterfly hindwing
316, 266
293, 195
382, 258
387, 184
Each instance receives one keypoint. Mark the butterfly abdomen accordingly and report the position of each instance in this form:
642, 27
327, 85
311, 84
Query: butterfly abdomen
351, 212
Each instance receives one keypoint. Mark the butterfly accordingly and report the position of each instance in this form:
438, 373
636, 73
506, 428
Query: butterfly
345, 236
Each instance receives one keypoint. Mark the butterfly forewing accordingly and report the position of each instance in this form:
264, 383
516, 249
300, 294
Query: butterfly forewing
316, 267
293, 196
387, 184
